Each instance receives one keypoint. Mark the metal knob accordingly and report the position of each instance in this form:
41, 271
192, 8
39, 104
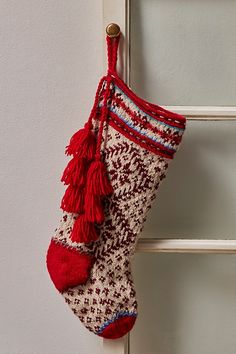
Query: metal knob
113, 30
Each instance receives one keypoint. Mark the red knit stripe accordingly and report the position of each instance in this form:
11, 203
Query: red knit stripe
148, 140
117, 124
147, 125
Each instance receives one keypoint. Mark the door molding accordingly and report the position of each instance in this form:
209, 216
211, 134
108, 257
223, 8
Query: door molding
164, 245
220, 113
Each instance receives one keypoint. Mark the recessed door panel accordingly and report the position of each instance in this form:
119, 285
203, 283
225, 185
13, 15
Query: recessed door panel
187, 304
198, 197
183, 51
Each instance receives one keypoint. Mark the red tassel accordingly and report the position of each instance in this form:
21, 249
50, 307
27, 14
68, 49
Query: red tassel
94, 208
83, 231
97, 181
73, 200
75, 172
82, 143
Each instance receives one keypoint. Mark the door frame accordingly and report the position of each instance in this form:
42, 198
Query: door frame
118, 11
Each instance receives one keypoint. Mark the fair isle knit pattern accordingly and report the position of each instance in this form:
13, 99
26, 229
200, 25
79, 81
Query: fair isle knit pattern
124, 151
161, 134
135, 174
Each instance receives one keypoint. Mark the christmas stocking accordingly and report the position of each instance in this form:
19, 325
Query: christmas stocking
118, 161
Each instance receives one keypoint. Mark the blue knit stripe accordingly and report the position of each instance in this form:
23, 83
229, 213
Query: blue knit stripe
118, 315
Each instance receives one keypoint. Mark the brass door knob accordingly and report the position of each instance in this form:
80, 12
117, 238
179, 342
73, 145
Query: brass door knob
113, 30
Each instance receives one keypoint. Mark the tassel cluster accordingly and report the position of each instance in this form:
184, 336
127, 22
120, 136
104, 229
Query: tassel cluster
85, 175
88, 183
82, 144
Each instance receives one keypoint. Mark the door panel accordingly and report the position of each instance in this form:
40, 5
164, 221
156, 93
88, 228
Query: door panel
187, 304
183, 54
183, 51
198, 197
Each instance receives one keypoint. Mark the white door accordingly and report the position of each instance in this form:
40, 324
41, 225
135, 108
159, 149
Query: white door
182, 55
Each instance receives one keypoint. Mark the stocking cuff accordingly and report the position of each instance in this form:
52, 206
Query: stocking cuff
150, 126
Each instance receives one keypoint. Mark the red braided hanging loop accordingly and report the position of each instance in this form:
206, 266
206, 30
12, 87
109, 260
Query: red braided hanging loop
112, 49
98, 184
103, 117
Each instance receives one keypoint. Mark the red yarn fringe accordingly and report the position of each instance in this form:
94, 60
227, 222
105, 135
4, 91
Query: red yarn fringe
83, 144
94, 208
98, 182
83, 231
75, 172
73, 200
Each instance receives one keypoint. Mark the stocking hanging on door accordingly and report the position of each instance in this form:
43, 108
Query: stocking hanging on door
117, 163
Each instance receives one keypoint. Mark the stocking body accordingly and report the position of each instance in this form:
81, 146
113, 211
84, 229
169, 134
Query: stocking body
139, 139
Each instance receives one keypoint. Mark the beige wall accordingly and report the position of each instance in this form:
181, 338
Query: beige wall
51, 60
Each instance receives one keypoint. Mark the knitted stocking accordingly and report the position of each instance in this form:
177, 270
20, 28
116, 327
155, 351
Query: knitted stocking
89, 256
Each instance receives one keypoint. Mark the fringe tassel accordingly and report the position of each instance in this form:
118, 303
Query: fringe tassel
83, 231
94, 208
97, 180
82, 143
75, 172
73, 200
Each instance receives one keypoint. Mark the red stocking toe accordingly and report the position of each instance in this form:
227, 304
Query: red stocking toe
67, 267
